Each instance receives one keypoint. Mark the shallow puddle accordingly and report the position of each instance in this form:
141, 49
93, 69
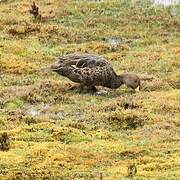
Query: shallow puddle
33, 111
36, 111
114, 41
43, 109
166, 2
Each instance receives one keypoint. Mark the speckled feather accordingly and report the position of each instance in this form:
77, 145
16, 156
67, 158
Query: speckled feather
86, 69
92, 70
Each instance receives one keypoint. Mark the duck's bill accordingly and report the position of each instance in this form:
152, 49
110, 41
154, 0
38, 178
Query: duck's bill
137, 89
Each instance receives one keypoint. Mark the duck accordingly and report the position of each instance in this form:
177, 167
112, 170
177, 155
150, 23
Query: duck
91, 70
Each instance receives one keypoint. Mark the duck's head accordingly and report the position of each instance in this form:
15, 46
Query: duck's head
131, 80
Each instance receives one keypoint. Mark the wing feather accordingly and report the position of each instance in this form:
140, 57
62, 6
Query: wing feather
82, 60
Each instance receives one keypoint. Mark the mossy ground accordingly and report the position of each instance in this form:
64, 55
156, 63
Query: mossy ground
56, 133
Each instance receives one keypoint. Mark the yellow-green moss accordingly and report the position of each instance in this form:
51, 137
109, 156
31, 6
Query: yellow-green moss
57, 133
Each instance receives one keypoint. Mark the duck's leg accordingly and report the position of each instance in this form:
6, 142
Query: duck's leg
87, 89
92, 89
81, 88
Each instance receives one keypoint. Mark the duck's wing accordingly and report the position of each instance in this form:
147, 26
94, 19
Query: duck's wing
82, 60
84, 68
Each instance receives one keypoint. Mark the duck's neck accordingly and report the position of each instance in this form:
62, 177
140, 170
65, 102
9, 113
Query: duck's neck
116, 82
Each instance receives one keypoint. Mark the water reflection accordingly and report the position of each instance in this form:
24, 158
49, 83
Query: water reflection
114, 41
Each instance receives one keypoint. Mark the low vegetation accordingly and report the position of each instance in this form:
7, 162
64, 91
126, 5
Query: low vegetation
48, 131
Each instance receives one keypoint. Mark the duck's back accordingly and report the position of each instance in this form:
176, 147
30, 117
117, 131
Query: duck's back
83, 60
87, 69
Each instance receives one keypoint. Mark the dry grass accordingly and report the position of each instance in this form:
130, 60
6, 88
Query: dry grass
56, 133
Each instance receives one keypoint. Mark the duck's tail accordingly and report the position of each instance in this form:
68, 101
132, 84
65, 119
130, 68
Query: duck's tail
46, 68
52, 67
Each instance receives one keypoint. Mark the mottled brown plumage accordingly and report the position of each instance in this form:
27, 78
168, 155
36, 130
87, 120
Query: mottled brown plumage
92, 70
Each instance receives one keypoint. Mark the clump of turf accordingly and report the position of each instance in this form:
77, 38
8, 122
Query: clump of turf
4, 142
126, 119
